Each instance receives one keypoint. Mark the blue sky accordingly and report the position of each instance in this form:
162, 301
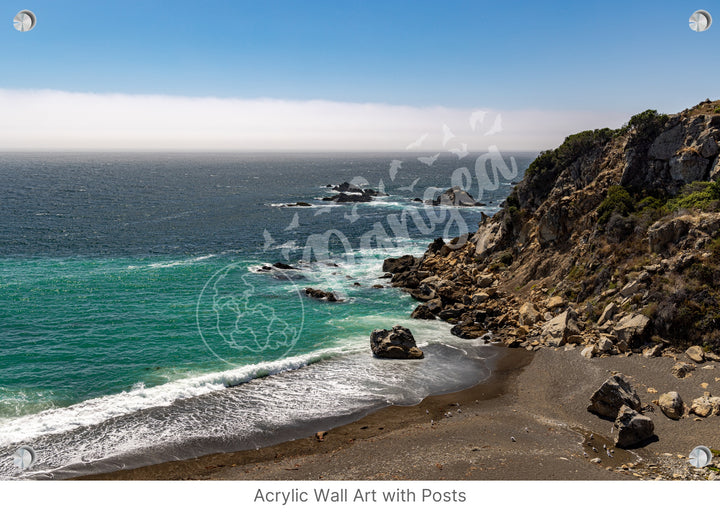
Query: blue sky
606, 57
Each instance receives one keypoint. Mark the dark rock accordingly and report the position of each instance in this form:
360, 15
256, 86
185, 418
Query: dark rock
399, 264
468, 330
397, 343
436, 245
455, 196
321, 295
378, 286
280, 265
422, 312
612, 395
633, 428
452, 312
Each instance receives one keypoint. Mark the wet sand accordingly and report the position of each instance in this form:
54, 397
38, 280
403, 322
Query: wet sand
527, 422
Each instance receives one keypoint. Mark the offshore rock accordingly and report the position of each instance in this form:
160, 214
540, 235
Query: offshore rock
397, 343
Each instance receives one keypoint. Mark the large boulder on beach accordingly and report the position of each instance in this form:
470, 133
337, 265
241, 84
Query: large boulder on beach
633, 429
632, 328
612, 395
672, 405
396, 343
557, 331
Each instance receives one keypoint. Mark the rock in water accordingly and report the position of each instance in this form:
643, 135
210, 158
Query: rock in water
633, 428
612, 395
455, 196
321, 295
399, 265
422, 312
397, 343
468, 330
671, 405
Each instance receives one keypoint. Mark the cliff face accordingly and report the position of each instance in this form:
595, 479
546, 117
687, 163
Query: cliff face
627, 217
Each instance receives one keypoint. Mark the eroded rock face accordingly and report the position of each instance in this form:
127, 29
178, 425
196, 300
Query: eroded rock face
612, 395
397, 343
671, 405
633, 429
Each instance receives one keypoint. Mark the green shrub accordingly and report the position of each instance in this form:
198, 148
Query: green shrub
618, 200
699, 195
717, 109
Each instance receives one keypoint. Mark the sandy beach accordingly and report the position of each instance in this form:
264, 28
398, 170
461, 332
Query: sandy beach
528, 422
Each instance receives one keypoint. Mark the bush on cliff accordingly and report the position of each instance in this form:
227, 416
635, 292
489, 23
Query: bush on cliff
617, 201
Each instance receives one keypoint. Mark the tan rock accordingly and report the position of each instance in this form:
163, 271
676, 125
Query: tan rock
682, 370
608, 313
632, 327
529, 315
588, 352
557, 330
555, 302
702, 406
695, 353
671, 405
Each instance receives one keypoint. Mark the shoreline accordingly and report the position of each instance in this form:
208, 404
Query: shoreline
377, 423
524, 423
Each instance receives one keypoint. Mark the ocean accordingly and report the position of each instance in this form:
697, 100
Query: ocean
142, 320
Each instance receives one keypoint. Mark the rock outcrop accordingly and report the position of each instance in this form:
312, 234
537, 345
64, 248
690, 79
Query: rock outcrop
455, 196
397, 343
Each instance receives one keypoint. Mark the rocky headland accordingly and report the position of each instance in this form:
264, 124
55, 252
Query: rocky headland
610, 245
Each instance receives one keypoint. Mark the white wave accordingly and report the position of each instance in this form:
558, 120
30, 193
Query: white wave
177, 263
97, 410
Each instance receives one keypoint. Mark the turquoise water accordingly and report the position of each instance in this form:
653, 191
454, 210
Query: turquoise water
132, 297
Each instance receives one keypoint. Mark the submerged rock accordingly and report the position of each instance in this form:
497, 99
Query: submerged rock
612, 395
397, 343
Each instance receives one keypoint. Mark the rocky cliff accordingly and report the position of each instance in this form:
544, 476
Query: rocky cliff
611, 241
